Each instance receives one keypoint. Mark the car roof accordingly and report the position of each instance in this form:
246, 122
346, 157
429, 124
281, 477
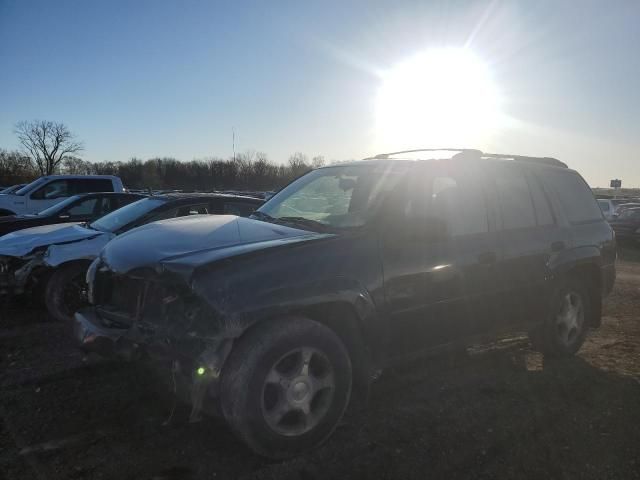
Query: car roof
111, 194
392, 159
81, 176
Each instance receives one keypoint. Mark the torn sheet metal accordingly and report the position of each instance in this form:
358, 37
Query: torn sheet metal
23, 242
87, 249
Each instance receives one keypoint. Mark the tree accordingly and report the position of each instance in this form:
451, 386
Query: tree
76, 166
318, 161
47, 143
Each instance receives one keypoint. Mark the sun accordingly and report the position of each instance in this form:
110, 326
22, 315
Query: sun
438, 98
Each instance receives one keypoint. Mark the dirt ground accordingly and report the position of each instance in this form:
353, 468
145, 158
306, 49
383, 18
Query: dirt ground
500, 413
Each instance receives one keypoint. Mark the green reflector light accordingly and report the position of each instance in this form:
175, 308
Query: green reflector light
200, 371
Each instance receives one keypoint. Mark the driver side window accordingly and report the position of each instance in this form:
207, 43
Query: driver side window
83, 209
54, 189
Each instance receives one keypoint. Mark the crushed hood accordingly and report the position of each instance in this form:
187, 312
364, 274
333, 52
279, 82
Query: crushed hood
23, 242
193, 240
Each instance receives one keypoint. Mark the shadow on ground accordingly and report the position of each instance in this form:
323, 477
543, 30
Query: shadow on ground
501, 412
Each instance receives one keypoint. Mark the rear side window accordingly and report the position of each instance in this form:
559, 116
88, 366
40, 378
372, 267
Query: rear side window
574, 194
516, 204
89, 185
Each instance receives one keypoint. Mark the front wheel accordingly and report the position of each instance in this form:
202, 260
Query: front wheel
566, 327
286, 386
66, 291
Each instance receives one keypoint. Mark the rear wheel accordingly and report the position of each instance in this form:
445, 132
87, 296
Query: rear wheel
286, 386
565, 329
66, 291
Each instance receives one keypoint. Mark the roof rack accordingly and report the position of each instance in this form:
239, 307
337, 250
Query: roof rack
472, 153
523, 158
384, 156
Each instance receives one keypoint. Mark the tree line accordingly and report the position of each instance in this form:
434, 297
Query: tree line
50, 147
247, 171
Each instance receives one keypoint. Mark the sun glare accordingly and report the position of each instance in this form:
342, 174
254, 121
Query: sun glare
442, 97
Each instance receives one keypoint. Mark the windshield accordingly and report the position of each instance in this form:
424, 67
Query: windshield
30, 186
337, 197
58, 207
117, 219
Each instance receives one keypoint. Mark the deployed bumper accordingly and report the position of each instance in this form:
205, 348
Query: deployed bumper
15, 273
93, 336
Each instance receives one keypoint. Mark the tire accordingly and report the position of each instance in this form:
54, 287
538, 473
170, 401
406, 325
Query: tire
65, 292
565, 328
264, 376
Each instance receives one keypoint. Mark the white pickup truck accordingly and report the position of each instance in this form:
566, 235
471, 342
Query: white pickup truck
49, 190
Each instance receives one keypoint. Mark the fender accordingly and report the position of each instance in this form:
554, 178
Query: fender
324, 300
243, 308
87, 249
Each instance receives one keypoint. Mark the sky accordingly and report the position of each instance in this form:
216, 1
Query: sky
176, 78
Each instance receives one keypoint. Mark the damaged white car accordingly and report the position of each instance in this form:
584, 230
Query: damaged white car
51, 261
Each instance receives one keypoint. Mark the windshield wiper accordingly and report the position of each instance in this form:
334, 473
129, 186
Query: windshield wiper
265, 217
303, 222
292, 221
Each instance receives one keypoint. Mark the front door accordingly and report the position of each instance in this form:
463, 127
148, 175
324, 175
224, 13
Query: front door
439, 262
48, 194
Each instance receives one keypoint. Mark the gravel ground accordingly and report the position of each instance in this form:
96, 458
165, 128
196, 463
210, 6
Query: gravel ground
499, 413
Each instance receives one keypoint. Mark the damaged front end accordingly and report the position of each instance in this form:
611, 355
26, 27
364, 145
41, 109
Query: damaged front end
16, 272
155, 312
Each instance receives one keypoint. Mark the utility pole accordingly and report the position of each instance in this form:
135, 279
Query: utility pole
233, 141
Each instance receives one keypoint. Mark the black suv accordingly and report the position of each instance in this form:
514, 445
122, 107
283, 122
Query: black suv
284, 317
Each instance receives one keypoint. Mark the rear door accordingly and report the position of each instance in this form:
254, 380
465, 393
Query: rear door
440, 278
530, 235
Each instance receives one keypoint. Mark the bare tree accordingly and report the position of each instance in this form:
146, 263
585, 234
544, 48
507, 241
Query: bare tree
76, 166
47, 143
318, 161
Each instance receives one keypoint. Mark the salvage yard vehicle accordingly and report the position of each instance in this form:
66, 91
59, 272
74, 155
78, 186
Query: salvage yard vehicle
53, 259
627, 225
49, 190
12, 188
609, 206
79, 208
283, 318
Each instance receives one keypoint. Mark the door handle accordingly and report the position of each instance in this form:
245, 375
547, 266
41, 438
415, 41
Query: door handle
487, 258
558, 246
